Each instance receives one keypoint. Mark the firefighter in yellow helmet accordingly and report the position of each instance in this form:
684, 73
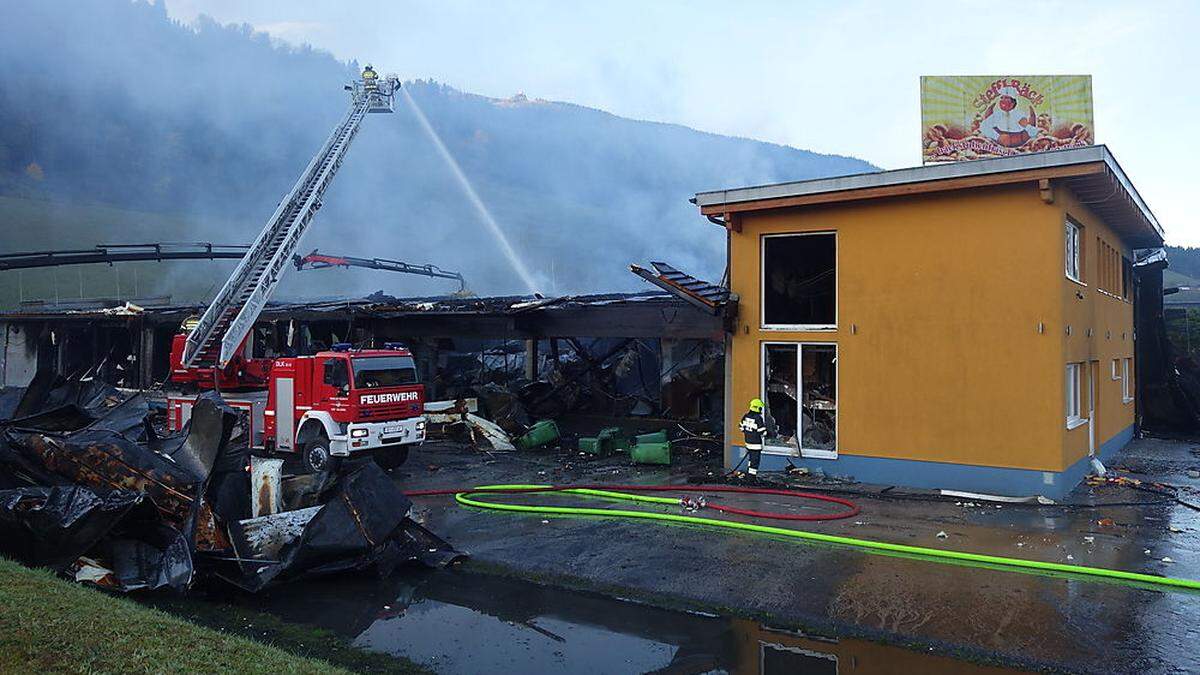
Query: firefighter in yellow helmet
754, 427
370, 78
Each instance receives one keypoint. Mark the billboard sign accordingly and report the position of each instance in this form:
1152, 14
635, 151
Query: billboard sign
981, 116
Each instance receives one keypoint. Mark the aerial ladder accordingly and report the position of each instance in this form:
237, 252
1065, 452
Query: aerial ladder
218, 335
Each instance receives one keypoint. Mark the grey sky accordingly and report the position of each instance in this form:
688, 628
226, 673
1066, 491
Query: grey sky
831, 77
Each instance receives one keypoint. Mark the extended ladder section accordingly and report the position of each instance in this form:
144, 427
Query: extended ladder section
224, 325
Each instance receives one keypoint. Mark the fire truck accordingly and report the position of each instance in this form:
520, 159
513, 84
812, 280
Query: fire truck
324, 407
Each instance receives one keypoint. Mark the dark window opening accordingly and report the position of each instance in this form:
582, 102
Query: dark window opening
800, 280
384, 371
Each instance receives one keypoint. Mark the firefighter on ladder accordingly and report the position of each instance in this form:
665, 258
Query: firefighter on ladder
753, 427
370, 79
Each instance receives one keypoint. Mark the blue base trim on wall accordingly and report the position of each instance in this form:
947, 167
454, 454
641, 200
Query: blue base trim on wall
949, 476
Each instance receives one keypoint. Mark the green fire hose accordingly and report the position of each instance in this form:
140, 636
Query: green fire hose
471, 498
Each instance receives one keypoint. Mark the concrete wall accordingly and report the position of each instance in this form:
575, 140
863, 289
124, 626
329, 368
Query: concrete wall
951, 315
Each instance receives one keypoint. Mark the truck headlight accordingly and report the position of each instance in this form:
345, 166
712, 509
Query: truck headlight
421, 425
358, 433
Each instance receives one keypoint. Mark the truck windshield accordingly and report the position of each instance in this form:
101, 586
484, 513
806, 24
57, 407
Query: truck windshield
384, 371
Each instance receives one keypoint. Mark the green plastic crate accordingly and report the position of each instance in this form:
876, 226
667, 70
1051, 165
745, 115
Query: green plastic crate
650, 452
656, 437
541, 433
611, 440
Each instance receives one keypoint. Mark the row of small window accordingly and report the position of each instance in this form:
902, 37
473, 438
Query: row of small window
1122, 369
1114, 271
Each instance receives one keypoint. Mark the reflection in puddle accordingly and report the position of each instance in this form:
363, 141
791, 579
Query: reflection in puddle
464, 623
453, 639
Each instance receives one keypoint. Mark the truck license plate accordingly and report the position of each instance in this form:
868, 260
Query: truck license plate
392, 430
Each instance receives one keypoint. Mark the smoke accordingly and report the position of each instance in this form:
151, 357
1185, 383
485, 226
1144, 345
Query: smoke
469, 190
122, 125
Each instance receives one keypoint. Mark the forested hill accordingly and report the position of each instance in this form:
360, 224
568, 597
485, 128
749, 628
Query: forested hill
1184, 260
113, 104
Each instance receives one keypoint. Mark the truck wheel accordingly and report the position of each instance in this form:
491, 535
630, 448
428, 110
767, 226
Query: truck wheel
390, 458
316, 456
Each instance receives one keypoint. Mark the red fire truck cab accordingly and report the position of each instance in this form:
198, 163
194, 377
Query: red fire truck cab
343, 402
331, 405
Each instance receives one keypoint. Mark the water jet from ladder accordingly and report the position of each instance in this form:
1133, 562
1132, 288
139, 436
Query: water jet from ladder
505, 245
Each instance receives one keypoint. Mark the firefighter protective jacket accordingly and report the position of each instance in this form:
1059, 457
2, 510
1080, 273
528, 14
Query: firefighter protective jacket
753, 426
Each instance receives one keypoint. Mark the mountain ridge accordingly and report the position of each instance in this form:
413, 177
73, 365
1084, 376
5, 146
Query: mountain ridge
209, 125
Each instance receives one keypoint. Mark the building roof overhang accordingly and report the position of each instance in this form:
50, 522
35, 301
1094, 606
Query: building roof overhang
1092, 173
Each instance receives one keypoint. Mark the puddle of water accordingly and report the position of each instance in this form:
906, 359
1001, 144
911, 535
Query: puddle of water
455, 639
466, 623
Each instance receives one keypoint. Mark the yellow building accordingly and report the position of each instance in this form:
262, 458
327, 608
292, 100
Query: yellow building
963, 326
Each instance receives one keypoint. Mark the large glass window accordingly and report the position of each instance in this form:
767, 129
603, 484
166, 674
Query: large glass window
799, 386
799, 284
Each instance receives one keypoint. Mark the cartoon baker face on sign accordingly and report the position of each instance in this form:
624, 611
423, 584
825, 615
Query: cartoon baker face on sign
1005, 124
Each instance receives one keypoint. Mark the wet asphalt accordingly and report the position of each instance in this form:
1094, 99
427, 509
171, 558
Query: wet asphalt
841, 595
454, 621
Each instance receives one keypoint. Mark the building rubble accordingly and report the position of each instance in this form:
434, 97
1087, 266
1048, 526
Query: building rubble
90, 488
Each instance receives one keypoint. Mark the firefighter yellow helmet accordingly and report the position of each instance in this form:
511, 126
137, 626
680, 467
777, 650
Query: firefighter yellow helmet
756, 405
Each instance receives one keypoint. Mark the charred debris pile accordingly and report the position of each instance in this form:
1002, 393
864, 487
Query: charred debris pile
90, 488
564, 393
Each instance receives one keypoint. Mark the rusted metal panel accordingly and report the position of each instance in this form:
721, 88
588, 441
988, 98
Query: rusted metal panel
104, 460
265, 478
208, 535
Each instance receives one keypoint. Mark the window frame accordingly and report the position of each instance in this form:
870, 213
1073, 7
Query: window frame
762, 285
1074, 396
367, 360
1126, 385
333, 365
800, 450
1073, 233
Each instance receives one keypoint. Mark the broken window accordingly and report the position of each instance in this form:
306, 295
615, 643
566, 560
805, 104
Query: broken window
800, 391
799, 284
818, 403
780, 393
